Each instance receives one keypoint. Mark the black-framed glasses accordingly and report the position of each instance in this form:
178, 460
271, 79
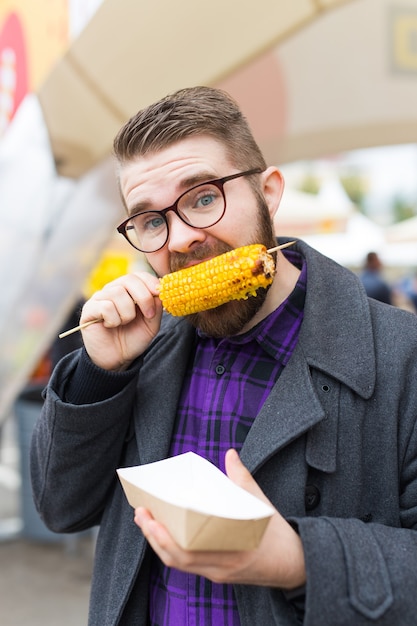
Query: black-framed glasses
201, 206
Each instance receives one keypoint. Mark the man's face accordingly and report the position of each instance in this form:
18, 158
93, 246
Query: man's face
154, 182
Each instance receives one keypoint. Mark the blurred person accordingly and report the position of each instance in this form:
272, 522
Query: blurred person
408, 286
312, 409
375, 285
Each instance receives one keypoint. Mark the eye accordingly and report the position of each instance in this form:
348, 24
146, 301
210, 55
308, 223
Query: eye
205, 197
148, 222
154, 222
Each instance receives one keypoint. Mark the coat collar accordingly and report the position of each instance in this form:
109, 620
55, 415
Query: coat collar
337, 310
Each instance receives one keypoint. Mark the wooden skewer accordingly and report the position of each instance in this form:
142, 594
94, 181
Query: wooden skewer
281, 247
99, 319
80, 327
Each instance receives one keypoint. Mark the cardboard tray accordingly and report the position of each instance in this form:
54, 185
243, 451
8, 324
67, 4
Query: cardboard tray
198, 504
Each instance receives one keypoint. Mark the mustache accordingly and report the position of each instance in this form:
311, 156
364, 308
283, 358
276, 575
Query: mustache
179, 260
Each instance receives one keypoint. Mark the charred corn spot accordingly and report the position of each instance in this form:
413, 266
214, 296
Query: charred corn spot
235, 275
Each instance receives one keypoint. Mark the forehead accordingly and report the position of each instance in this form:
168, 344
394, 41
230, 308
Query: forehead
173, 167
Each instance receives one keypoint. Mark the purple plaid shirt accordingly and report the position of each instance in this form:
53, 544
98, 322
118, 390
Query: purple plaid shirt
226, 385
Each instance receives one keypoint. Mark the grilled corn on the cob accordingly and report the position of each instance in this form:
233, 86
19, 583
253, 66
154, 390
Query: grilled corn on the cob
235, 275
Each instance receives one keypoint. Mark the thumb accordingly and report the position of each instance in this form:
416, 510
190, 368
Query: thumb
238, 473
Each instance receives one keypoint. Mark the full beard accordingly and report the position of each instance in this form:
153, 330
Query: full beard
228, 319
231, 318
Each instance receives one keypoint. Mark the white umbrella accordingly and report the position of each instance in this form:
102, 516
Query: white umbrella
350, 247
405, 231
301, 213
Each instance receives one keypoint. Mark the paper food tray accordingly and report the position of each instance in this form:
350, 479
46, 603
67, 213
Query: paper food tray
198, 504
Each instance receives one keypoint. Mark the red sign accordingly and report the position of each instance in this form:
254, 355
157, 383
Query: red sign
13, 68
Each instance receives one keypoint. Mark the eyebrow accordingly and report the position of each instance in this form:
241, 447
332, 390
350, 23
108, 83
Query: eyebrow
185, 184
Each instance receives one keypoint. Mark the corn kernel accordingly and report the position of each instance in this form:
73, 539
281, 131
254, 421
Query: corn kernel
235, 275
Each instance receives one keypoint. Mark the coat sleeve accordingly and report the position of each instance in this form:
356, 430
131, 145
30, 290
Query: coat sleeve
359, 574
75, 452
364, 573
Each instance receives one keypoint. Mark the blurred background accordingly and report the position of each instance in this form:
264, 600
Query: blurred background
330, 90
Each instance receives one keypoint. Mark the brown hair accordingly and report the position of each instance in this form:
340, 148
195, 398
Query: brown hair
188, 112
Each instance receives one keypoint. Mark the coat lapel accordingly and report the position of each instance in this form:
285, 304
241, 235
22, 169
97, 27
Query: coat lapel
291, 409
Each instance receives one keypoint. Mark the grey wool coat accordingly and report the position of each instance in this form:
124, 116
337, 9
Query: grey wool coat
334, 448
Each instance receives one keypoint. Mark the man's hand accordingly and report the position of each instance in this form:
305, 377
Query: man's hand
277, 562
131, 312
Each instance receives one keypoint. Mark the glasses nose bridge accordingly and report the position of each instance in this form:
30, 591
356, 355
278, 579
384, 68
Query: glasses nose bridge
174, 209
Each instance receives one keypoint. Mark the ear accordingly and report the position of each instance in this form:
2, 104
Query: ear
273, 188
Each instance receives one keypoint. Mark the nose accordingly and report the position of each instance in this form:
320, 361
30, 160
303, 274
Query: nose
182, 237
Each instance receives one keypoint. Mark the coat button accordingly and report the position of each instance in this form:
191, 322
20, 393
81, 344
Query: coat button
312, 497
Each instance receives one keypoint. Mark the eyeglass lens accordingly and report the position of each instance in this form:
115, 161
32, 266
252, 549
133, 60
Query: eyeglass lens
200, 207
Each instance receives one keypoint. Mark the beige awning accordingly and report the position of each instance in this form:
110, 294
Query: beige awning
346, 81
132, 53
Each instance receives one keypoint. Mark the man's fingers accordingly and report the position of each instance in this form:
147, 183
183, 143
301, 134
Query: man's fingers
238, 473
